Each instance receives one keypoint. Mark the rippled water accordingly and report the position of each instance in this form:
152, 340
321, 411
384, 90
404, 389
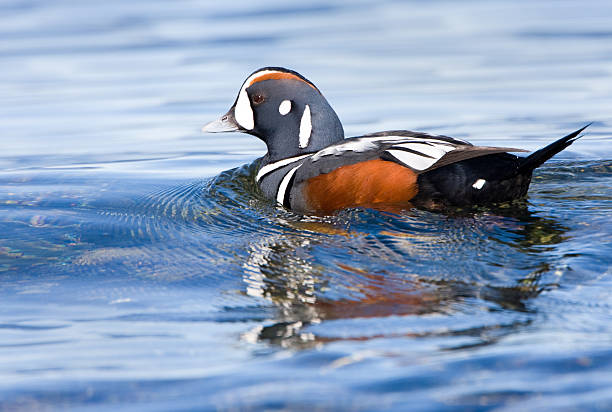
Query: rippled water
140, 269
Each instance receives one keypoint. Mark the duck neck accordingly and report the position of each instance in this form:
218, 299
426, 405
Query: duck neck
325, 130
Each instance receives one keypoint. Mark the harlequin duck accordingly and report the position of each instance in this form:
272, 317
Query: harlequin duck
311, 167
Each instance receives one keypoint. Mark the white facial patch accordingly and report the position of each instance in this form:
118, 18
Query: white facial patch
243, 111
479, 184
305, 128
284, 107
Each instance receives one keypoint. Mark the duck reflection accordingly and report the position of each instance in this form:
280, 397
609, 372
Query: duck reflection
287, 269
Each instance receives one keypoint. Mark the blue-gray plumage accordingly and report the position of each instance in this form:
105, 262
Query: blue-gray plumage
310, 167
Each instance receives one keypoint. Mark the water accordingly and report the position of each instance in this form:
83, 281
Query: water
141, 270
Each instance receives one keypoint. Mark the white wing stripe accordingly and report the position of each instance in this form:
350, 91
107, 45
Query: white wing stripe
277, 165
429, 146
282, 188
357, 145
436, 151
413, 160
439, 145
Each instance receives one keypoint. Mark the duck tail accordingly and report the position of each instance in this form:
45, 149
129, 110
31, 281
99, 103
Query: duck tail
536, 159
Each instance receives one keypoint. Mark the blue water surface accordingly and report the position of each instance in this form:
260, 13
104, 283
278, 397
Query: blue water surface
141, 269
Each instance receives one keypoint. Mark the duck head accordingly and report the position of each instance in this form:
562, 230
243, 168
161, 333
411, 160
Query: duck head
283, 109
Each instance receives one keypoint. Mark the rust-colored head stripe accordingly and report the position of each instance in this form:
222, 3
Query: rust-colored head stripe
278, 76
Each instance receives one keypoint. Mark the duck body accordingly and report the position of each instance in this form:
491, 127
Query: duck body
310, 167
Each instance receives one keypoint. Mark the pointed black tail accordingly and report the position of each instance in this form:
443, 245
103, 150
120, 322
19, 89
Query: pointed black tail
537, 158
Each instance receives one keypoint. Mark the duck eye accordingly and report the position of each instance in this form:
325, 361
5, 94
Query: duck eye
258, 99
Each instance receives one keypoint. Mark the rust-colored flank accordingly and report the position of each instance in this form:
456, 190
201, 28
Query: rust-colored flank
362, 184
280, 75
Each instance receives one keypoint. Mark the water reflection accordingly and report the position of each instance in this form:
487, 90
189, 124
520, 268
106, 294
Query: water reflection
314, 271
286, 269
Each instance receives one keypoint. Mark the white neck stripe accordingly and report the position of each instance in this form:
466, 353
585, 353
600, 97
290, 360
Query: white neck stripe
277, 165
282, 188
305, 128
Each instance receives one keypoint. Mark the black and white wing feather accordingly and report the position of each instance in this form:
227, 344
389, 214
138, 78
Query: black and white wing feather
420, 152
